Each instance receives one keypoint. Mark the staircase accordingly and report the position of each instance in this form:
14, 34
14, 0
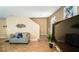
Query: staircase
31, 27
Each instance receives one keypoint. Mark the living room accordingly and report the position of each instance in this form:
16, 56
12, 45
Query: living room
31, 23
27, 26
39, 29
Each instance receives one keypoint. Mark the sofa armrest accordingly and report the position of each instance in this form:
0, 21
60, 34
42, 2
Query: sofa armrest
12, 36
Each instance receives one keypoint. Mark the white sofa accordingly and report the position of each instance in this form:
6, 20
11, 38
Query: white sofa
19, 37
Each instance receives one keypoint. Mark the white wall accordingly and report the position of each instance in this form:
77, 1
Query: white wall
31, 27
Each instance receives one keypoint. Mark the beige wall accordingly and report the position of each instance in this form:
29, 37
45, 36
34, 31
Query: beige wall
43, 25
3, 32
58, 14
31, 27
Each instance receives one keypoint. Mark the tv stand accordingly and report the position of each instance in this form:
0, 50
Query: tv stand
63, 47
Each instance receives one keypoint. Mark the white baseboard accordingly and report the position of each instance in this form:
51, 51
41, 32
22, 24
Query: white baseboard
3, 37
43, 34
57, 47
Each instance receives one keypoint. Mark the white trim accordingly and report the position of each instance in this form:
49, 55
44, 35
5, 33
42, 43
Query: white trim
43, 34
3, 37
57, 47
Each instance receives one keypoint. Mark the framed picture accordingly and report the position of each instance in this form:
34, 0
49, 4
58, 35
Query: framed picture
70, 11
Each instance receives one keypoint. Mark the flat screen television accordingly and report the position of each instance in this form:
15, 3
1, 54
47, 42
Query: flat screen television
67, 26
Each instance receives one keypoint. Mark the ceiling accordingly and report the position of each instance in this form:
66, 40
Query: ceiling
27, 11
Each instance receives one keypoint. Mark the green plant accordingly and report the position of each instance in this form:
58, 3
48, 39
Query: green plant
49, 37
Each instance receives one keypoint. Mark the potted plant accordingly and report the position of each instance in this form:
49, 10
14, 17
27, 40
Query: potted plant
50, 40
